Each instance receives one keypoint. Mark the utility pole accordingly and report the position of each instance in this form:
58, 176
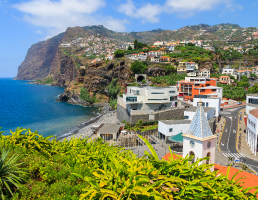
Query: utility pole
239, 77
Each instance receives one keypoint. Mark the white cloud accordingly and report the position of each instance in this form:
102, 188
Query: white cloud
38, 32
183, 8
56, 16
148, 13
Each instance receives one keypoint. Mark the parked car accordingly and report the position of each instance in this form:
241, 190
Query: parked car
239, 103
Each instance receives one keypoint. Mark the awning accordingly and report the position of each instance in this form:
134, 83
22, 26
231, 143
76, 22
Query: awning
176, 138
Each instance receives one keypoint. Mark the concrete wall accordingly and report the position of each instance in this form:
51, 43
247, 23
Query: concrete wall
123, 114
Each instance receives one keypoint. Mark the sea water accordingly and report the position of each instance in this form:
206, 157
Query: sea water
33, 107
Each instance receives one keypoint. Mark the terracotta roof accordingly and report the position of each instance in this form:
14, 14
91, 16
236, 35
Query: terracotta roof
222, 82
190, 62
141, 52
203, 69
224, 76
213, 78
254, 112
153, 46
164, 57
249, 181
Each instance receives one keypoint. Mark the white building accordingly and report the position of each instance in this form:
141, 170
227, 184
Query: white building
199, 141
167, 128
209, 112
252, 130
251, 102
159, 43
129, 45
207, 101
204, 73
150, 99
229, 71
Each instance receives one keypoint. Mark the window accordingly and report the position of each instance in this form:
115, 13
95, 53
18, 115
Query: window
172, 91
173, 98
207, 104
253, 101
208, 155
202, 90
208, 84
131, 99
186, 117
214, 90
157, 93
171, 129
197, 84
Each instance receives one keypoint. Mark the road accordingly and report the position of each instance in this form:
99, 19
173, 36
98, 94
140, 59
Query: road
229, 137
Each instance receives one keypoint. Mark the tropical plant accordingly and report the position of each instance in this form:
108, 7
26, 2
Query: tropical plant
11, 175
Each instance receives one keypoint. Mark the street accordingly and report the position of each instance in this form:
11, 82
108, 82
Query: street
229, 137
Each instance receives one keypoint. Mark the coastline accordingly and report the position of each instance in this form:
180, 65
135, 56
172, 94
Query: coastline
84, 129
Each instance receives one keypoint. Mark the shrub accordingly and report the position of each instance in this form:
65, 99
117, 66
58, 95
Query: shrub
84, 95
11, 175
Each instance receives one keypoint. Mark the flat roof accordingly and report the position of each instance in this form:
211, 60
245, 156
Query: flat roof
150, 87
171, 122
194, 108
254, 95
109, 128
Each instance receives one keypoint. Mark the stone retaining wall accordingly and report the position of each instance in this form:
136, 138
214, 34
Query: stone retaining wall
123, 114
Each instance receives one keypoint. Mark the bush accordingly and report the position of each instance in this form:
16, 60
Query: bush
138, 67
84, 95
144, 81
86, 169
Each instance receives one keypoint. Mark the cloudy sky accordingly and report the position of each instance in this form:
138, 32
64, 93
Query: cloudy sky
25, 22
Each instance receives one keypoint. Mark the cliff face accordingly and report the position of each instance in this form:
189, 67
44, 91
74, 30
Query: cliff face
38, 60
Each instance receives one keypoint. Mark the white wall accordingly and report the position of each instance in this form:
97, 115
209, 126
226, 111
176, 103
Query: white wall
248, 107
252, 132
209, 114
212, 103
200, 149
177, 128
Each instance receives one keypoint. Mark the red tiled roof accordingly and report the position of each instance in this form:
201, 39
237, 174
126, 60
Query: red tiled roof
224, 76
254, 112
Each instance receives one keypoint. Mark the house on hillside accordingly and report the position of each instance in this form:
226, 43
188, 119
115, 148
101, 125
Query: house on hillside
204, 73
165, 59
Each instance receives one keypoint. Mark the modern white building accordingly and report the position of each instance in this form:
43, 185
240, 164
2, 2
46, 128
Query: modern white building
229, 71
150, 99
209, 112
199, 141
207, 101
252, 130
167, 128
251, 102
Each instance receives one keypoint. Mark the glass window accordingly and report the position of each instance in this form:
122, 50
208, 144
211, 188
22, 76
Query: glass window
171, 129
207, 104
172, 91
173, 98
131, 99
186, 117
157, 93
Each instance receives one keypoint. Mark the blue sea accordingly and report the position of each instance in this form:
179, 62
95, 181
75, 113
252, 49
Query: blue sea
34, 107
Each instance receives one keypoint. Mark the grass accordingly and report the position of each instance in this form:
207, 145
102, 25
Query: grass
146, 128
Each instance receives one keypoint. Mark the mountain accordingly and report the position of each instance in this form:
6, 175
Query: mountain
53, 56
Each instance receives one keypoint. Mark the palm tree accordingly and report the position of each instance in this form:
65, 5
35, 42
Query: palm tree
10, 173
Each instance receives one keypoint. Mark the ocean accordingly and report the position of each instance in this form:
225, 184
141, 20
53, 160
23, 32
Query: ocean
33, 107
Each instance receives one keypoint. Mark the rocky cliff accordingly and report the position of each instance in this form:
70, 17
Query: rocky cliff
38, 60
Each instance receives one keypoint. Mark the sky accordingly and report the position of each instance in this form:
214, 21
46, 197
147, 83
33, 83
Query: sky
25, 22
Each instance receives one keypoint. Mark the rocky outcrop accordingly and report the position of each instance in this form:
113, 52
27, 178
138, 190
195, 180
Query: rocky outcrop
156, 71
38, 60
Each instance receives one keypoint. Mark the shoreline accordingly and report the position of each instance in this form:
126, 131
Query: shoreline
83, 130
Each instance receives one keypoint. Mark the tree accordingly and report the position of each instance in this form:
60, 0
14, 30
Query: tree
119, 53
138, 67
130, 48
244, 78
113, 89
253, 75
253, 89
84, 95
135, 44
243, 84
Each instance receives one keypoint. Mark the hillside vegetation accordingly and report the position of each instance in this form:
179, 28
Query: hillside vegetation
85, 169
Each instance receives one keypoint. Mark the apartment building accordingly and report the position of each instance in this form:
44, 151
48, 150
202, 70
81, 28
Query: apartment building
192, 86
252, 130
251, 102
204, 73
